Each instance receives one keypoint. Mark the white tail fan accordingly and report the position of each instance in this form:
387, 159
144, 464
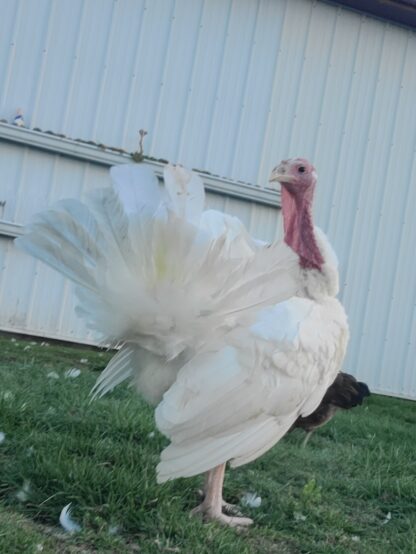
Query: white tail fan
149, 275
186, 192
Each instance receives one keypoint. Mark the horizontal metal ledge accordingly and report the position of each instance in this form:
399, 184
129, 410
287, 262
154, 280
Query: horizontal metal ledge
105, 156
10, 230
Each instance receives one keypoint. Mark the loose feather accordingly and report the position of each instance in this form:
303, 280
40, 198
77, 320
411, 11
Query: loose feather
67, 522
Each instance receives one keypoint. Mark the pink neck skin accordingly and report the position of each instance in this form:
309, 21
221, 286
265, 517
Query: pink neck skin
298, 228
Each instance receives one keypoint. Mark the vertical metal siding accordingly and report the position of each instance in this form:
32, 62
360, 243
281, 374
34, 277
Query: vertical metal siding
281, 74
230, 86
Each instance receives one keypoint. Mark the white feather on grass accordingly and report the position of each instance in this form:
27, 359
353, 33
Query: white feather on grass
386, 519
114, 529
52, 375
23, 494
251, 500
67, 522
72, 373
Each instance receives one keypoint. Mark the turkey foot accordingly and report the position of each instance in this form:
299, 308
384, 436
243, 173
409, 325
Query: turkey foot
212, 507
227, 507
209, 514
230, 509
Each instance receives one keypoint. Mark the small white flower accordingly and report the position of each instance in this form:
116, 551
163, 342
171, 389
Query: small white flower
83, 361
151, 435
53, 375
8, 395
251, 500
39, 547
298, 516
355, 538
386, 519
67, 522
23, 494
2, 437
44, 343
72, 373
27, 347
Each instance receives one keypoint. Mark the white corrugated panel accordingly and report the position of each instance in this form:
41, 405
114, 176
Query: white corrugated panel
232, 86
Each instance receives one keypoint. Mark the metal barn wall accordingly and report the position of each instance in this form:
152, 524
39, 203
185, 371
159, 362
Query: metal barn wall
232, 86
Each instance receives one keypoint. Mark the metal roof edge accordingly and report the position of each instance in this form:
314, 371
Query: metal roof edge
108, 156
400, 12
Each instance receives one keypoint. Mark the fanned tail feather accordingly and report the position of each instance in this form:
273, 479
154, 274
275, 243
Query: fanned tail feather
148, 276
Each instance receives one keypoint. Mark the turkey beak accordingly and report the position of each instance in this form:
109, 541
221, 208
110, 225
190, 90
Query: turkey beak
279, 174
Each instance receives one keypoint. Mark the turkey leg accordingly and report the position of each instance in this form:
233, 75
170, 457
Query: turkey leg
211, 506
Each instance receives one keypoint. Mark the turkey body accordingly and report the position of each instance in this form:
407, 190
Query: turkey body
230, 340
236, 403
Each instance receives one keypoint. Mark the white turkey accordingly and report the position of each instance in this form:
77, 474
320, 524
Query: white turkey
201, 313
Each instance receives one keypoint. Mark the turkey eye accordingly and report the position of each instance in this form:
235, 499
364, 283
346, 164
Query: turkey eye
301, 169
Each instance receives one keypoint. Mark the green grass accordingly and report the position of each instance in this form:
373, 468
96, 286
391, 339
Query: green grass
331, 497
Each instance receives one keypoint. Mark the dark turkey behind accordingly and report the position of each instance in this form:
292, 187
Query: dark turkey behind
344, 393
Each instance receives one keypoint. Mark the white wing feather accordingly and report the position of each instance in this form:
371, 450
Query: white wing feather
236, 403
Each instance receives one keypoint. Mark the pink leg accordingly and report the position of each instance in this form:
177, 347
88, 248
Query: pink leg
211, 507
227, 508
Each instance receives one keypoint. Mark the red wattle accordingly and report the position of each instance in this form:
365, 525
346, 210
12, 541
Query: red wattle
298, 229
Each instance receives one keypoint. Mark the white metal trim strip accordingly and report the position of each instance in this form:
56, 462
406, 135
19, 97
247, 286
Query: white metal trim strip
10, 230
104, 156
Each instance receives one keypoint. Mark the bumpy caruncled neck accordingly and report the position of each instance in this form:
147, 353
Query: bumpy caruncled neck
298, 229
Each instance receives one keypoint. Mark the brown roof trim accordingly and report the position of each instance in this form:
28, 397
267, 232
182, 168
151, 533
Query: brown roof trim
399, 11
